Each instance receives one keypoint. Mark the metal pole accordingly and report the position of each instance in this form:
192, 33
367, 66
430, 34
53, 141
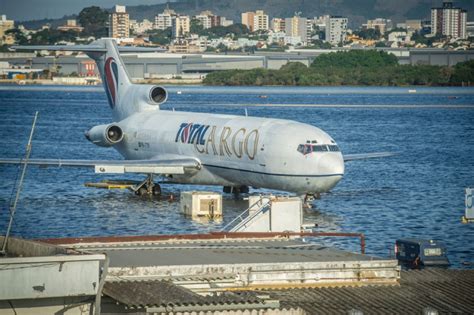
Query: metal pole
18, 191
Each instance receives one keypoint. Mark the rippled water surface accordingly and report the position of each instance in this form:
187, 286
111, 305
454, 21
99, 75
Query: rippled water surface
418, 193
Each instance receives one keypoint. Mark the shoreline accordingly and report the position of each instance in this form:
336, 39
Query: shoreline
79, 81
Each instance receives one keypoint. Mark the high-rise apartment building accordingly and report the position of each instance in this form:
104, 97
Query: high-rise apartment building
278, 25
180, 26
260, 21
449, 21
255, 21
208, 19
165, 19
248, 19
336, 30
297, 26
119, 26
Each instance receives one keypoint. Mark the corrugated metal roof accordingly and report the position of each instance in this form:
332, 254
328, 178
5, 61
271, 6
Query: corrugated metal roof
142, 294
446, 291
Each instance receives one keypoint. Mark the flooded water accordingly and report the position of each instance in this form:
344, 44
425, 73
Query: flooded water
417, 193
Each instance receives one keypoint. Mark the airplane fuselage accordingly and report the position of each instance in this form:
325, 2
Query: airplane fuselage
237, 150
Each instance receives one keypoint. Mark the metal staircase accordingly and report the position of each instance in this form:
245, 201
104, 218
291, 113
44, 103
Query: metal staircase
243, 220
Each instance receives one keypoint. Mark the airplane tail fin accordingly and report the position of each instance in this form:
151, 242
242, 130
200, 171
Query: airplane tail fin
113, 73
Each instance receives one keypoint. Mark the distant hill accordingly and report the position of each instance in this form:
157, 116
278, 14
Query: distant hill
358, 11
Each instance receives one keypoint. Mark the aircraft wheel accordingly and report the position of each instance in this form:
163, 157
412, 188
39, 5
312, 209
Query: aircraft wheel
244, 189
156, 190
142, 191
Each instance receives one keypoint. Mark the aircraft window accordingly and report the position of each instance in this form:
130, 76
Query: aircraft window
320, 148
301, 148
308, 148
305, 148
314, 141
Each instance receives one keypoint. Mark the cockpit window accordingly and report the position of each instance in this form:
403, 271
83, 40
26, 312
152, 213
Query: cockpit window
309, 148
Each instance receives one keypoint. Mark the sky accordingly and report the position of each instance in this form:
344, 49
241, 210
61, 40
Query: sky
21, 10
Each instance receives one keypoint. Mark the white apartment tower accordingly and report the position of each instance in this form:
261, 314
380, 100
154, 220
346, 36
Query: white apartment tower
297, 26
180, 26
119, 26
165, 19
260, 21
449, 21
336, 30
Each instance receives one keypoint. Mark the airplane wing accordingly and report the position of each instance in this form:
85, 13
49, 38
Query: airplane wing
364, 156
168, 167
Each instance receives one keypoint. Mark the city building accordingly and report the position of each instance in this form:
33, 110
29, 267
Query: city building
119, 26
310, 26
5, 25
226, 22
336, 30
205, 20
141, 27
208, 19
413, 25
260, 22
321, 21
278, 25
383, 25
449, 21
71, 25
297, 27
165, 19
397, 39
470, 29
248, 20
256, 21
180, 26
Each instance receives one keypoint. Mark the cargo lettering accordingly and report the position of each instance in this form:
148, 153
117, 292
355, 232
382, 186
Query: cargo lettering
207, 140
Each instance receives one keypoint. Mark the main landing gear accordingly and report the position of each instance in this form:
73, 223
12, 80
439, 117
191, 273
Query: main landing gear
236, 190
147, 187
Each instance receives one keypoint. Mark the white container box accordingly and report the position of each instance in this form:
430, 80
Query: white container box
201, 204
469, 204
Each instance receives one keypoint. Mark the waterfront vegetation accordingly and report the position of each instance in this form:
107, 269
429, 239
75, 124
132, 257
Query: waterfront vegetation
356, 67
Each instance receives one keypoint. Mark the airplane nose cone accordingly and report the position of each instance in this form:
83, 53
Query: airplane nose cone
331, 164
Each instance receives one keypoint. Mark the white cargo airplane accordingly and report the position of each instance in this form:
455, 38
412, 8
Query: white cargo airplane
197, 148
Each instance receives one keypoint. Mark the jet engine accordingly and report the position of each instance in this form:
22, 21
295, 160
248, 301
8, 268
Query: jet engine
151, 94
105, 135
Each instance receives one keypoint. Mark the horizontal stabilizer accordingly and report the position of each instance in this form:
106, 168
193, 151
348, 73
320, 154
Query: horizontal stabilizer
364, 156
177, 166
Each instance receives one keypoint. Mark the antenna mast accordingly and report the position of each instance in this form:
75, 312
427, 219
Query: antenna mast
20, 185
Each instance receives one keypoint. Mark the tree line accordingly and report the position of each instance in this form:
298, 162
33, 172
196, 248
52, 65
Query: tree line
355, 67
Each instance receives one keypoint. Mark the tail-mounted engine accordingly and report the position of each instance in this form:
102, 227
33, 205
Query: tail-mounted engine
150, 94
105, 135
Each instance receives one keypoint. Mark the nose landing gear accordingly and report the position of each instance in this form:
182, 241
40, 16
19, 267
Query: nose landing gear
309, 198
147, 187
